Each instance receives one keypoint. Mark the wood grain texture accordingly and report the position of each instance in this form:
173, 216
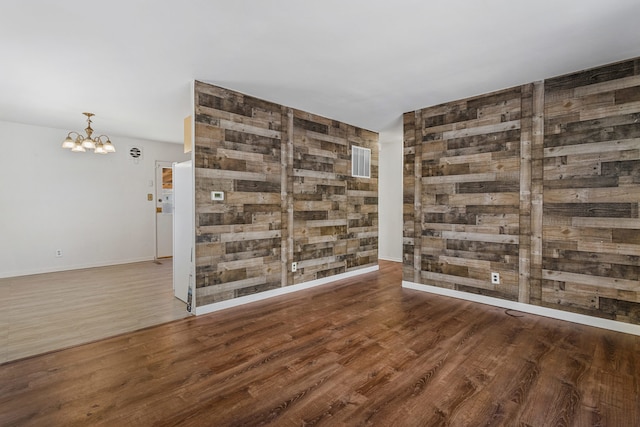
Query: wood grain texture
591, 193
528, 107
335, 218
537, 189
289, 196
357, 352
471, 200
238, 150
541, 183
46, 312
411, 186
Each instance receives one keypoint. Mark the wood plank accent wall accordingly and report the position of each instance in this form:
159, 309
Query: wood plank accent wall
466, 199
540, 183
591, 229
289, 196
335, 216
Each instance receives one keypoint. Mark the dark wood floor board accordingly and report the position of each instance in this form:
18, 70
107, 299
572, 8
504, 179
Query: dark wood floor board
360, 352
435, 372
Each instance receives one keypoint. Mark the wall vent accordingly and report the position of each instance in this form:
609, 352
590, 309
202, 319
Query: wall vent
360, 162
135, 152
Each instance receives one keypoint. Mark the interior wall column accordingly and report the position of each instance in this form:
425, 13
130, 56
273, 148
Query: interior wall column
286, 195
417, 201
537, 171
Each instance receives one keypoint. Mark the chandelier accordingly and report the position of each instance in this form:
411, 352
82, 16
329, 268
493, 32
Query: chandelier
83, 143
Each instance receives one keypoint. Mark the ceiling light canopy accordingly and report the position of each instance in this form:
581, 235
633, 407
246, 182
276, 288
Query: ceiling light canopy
80, 143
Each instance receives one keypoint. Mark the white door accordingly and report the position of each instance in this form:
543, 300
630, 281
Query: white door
164, 210
183, 231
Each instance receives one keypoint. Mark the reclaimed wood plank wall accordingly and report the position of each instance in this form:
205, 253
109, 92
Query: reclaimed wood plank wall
591, 229
335, 215
466, 203
289, 196
540, 183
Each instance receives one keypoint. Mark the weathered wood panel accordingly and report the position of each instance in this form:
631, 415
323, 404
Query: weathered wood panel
467, 201
591, 192
362, 206
540, 183
289, 196
410, 268
335, 215
238, 149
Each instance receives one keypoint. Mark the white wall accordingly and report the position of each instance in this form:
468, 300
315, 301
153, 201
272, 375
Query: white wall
390, 201
92, 207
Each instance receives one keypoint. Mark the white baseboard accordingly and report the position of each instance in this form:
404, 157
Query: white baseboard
389, 258
216, 306
528, 308
33, 271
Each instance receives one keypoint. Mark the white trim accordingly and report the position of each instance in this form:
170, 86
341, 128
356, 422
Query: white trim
390, 258
528, 308
216, 306
8, 274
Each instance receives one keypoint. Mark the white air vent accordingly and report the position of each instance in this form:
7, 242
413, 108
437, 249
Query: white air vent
360, 162
135, 152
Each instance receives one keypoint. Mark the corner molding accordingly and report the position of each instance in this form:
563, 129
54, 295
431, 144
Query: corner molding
582, 319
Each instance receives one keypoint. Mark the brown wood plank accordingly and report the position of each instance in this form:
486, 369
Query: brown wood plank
418, 173
45, 312
562, 157
362, 351
606, 73
286, 174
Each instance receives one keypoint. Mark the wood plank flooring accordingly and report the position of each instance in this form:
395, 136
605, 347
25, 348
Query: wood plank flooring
358, 352
45, 312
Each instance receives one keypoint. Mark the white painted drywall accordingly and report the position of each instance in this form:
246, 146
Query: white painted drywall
92, 207
390, 201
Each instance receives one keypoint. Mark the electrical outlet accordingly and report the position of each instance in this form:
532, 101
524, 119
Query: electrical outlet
294, 267
495, 278
58, 253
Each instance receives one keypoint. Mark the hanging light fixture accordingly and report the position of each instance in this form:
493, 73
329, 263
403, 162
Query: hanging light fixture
81, 143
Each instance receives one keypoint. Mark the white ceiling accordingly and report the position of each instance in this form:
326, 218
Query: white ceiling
364, 62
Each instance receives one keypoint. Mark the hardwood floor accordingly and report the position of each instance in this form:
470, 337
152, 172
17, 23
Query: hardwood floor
358, 352
45, 312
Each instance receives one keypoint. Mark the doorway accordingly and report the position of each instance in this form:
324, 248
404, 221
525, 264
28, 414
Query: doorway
164, 209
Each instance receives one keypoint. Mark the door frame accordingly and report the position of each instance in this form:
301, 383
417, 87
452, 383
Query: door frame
158, 182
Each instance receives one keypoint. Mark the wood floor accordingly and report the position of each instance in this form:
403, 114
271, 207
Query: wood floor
358, 352
45, 312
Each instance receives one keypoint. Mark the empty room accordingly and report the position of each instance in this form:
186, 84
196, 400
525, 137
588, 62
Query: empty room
356, 213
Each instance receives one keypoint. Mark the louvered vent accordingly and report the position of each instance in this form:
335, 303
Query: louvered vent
360, 162
135, 152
